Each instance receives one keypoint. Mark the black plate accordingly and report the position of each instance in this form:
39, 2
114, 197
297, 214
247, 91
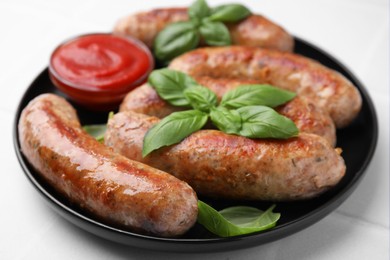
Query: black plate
358, 142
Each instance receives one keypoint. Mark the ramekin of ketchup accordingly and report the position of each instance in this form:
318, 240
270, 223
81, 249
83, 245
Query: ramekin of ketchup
98, 70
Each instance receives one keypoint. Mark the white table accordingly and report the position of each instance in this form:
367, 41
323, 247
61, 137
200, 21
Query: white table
355, 31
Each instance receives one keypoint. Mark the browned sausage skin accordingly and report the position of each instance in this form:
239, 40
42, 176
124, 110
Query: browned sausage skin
255, 30
114, 188
228, 166
146, 25
323, 86
307, 117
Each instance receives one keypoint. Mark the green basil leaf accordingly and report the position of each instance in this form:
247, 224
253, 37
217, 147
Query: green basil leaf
175, 39
97, 131
111, 115
236, 221
228, 121
215, 33
198, 10
251, 218
201, 98
229, 13
264, 122
170, 85
253, 95
173, 129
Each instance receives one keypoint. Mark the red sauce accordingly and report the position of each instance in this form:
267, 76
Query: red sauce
98, 70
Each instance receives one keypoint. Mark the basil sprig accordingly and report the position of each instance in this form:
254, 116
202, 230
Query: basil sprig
237, 220
205, 22
244, 111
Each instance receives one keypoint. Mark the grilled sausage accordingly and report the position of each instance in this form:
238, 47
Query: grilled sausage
306, 116
323, 86
114, 188
255, 30
228, 166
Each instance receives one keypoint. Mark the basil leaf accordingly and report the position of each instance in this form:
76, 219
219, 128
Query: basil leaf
264, 122
97, 131
110, 115
173, 129
175, 39
236, 221
251, 95
251, 218
229, 13
199, 10
228, 121
170, 85
215, 33
201, 98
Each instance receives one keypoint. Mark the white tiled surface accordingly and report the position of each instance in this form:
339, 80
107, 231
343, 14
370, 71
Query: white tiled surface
354, 31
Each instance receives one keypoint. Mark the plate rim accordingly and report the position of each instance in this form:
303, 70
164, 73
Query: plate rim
206, 244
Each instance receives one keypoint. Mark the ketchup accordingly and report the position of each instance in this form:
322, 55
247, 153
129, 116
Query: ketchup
98, 70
